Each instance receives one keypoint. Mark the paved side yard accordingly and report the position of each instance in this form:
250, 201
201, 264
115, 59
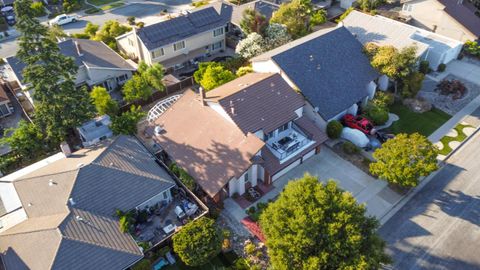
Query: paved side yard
378, 197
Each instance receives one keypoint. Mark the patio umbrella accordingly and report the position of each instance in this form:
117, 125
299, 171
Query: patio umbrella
6, 9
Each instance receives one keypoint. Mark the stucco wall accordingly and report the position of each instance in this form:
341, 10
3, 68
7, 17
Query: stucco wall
156, 199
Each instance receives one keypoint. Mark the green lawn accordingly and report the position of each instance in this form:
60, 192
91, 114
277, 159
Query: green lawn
101, 2
411, 122
113, 5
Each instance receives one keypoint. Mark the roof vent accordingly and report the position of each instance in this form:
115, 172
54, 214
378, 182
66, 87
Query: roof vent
79, 218
157, 130
51, 183
111, 164
29, 204
71, 201
316, 109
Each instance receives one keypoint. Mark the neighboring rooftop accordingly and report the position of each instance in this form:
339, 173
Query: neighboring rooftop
184, 26
211, 148
329, 68
258, 101
89, 53
263, 7
96, 128
70, 203
464, 13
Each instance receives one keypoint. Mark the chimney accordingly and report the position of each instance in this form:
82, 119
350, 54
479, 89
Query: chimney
79, 49
65, 149
202, 96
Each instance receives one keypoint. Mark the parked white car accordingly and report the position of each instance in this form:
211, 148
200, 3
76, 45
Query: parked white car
63, 19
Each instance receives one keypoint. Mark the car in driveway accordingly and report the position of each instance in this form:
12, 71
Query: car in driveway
63, 19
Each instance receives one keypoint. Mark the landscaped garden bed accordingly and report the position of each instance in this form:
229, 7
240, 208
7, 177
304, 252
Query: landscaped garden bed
410, 122
352, 156
456, 136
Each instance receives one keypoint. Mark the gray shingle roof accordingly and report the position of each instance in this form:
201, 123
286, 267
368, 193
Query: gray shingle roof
184, 26
261, 103
329, 68
121, 174
94, 54
464, 13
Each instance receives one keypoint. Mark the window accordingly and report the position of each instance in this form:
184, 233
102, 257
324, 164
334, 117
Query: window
157, 53
246, 178
217, 45
218, 32
179, 45
165, 195
407, 7
269, 135
122, 78
283, 128
130, 42
4, 110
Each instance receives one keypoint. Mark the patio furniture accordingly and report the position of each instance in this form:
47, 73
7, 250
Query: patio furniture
169, 228
160, 263
253, 193
179, 212
170, 258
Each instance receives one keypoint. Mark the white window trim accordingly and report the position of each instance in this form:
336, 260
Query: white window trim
180, 42
218, 29
161, 50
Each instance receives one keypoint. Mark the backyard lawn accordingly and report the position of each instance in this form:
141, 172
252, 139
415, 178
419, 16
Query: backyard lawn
411, 122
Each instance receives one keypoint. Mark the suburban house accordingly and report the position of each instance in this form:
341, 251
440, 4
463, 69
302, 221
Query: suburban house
329, 68
245, 133
176, 41
452, 18
265, 8
59, 213
95, 130
98, 65
6, 107
434, 48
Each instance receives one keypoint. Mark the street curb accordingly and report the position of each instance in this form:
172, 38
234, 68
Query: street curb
423, 183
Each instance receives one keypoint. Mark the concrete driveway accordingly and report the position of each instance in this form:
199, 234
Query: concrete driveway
466, 69
376, 194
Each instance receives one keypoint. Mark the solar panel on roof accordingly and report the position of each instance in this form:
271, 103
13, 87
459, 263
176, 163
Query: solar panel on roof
204, 17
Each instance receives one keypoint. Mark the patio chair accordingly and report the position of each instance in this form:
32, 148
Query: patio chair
253, 193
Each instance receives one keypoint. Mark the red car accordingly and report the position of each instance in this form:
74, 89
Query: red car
359, 122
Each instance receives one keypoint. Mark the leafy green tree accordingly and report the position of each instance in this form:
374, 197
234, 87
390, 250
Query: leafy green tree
295, 15
369, 5
276, 35
214, 76
126, 123
110, 30
55, 32
244, 70
253, 22
103, 101
26, 141
136, 88
198, 241
319, 226
251, 46
397, 65
71, 5
38, 9
59, 106
404, 159
153, 75
318, 17
412, 84
91, 29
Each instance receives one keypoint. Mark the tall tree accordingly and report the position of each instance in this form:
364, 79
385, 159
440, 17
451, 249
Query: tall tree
319, 226
26, 141
404, 159
126, 123
59, 106
136, 88
153, 75
198, 241
295, 15
110, 30
103, 101
397, 65
253, 21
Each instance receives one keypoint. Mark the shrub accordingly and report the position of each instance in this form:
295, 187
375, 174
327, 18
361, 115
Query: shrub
250, 248
378, 115
131, 20
38, 9
334, 129
424, 67
472, 48
184, 177
251, 210
350, 148
81, 35
441, 67
92, 10
345, 14
452, 87
140, 24
383, 99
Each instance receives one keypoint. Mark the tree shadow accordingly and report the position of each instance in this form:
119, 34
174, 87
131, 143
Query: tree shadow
414, 231
366, 36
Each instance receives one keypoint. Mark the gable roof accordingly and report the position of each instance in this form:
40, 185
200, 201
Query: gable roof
464, 13
258, 101
179, 28
329, 68
93, 54
72, 202
209, 147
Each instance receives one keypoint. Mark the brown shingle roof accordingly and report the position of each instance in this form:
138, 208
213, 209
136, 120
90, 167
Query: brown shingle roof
3, 94
258, 101
211, 148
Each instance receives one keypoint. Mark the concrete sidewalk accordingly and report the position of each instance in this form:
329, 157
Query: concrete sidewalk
376, 194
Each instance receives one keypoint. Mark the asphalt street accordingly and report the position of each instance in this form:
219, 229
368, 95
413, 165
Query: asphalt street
439, 228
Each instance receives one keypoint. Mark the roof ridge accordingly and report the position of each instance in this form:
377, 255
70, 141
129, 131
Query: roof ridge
33, 177
4, 233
